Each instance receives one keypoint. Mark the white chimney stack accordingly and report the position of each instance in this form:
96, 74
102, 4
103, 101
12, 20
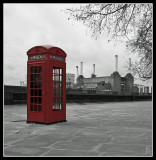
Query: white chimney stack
81, 68
77, 71
130, 65
116, 63
94, 69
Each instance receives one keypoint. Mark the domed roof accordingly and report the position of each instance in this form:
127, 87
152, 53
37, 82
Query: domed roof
129, 75
115, 73
45, 49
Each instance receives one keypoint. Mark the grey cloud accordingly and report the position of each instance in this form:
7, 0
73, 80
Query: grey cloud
28, 25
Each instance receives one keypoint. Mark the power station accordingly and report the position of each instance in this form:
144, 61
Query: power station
111, 84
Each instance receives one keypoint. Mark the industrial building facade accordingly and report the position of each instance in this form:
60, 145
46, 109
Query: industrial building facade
70, 80
113, 83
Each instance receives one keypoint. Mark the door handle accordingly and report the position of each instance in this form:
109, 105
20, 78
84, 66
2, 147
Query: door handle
42, 93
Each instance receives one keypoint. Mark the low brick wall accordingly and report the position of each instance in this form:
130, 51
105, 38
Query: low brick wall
8, 97
18, 95
105, 98
15, 94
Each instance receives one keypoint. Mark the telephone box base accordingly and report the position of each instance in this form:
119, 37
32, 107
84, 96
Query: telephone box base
46, 123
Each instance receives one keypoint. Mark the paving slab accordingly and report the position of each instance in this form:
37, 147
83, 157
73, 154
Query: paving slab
34, 142
118, 148
83, 146
72, 153
24, 151
92, 129
134, 140
91, 139
123, 154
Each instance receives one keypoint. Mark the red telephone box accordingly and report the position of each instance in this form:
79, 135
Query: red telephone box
46, 85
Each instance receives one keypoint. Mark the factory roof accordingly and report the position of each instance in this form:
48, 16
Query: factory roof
98, 77
123, 78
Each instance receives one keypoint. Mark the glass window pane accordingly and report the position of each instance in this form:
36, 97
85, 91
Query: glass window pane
35, 69
39, 84
60, 77
57, 106
35, 92
60, 92
57, 100
40, 92
36, 79
35, 99
57, 92
54, 92
60, 99
54, 106
31, 92
31, 69
61, 85
54, 71
40, 69
54, 99
31, 77
36, 85
57, 70
60, 106
31, 84
56, 77
39, 100
54, 84
40, 77
57, 85
60, 70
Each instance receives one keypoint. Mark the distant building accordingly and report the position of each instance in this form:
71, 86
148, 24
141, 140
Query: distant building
113, 83
70, 79
136, 89
146, 89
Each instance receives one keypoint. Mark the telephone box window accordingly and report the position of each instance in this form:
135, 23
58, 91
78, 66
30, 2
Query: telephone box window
57, 88
57, 58
37, 57
35, 88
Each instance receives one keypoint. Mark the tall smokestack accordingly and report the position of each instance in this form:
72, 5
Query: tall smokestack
77, 71
116, 63
130, 65
94, 69
81, 68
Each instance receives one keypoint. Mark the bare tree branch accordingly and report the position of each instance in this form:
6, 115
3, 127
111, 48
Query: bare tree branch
120, 21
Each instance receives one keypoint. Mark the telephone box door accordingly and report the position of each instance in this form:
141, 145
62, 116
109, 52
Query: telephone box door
36, 96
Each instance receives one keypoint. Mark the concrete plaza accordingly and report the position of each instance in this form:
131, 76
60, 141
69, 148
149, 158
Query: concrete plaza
92, 129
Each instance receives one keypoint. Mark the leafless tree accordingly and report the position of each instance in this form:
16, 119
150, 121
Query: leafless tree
131, 23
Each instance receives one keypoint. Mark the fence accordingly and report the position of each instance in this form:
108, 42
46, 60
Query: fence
18, 95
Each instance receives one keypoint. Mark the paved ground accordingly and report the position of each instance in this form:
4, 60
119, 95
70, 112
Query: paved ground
92, 129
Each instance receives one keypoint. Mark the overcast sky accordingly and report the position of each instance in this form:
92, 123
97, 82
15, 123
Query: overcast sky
28, 25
